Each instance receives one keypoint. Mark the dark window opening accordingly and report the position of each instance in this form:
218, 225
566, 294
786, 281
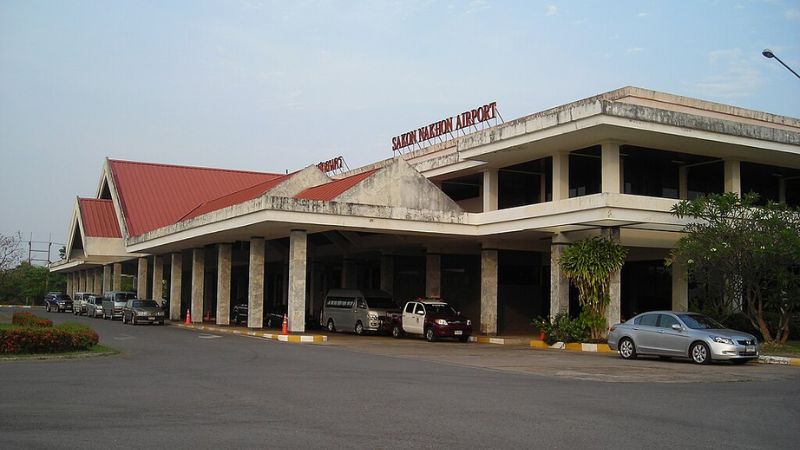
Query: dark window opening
525, 184
768, 181
584, 172
649, 172
464, 187
705, 179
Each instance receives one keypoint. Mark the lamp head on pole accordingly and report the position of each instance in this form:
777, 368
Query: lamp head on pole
768, 53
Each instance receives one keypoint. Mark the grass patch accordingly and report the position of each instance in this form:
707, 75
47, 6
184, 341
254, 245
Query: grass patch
97, 350
791, 349
5, 317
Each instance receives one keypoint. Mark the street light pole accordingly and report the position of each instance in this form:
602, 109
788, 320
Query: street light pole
768, 54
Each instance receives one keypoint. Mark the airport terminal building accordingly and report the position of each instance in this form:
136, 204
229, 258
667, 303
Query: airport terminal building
478, 218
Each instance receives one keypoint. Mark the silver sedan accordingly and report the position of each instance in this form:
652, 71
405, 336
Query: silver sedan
681, 334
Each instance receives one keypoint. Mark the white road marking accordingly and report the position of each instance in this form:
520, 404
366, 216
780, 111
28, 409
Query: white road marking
124, 337
208, 336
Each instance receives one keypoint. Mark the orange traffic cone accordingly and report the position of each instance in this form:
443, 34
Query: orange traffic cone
188, 320
285, 327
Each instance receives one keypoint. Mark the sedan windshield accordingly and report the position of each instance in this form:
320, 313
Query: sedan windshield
145, 304
440, 309
124, 296
700, 322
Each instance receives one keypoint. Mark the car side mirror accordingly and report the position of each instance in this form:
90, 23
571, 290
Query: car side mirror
420, 313
677, 327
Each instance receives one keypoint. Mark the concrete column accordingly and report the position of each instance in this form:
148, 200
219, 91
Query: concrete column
158, 279
781, 190
387, 274
82, 281
117, 283
298, 248
90, 280
613, 311
224, 252
680, 287
490, 187
349, 275
141, 279
98, 282
106, 278
683, 183
255, 289
176, 278
488, 291
559, 284
610, 172
733, 176
433, 276
198, 283
560, 176
69, 284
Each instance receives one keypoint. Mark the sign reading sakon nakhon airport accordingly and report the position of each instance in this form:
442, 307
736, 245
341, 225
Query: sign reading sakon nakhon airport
446, 126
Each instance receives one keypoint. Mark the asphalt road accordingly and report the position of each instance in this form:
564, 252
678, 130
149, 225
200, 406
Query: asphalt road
184, 389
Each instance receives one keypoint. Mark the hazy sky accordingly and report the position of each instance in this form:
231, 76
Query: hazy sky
271, 86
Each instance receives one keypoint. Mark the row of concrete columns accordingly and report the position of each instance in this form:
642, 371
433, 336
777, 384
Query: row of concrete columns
95, 280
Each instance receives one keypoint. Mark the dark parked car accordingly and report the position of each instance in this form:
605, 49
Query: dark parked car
142, 311
239, 315
684, 335
57, 301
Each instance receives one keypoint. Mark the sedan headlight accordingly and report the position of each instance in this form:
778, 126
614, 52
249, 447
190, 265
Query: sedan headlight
722, 340
441, 322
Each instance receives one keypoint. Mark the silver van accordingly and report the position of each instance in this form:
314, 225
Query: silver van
356, 310
114, 301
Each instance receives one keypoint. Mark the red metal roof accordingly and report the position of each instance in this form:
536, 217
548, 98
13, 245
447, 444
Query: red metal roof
156, 195
329, 191
98, 218
235, 197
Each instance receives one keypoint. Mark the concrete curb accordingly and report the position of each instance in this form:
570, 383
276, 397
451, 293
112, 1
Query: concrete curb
292, 338
780, 360
498, 340
20, 306
572, 346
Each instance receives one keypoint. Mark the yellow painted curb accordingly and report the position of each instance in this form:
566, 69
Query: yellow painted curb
539, 344
794, 361
574, 346
295, 338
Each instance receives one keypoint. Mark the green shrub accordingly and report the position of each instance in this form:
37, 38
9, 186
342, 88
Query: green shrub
563, 329
38, 338
26, 319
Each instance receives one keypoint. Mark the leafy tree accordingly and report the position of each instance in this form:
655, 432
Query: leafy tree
748, 255
589, 264
27, 284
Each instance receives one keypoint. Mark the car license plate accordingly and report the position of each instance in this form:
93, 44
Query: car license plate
457, 333
151, 318
750, 349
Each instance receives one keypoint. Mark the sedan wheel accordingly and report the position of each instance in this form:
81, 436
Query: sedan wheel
430, 335
627, 349
124, 321
331, 326
133, 319
359, 328
397, 333
700, 353
47, 308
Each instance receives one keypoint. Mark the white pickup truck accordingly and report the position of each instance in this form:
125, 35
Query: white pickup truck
431, 318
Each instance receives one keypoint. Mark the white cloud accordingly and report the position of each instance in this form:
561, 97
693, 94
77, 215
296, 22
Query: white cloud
552, 10
735, 75
793, 14
476, 6
643, 14
634, 50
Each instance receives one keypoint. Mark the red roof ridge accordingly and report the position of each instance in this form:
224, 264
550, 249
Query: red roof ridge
179, 166
331, 190
266, 185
